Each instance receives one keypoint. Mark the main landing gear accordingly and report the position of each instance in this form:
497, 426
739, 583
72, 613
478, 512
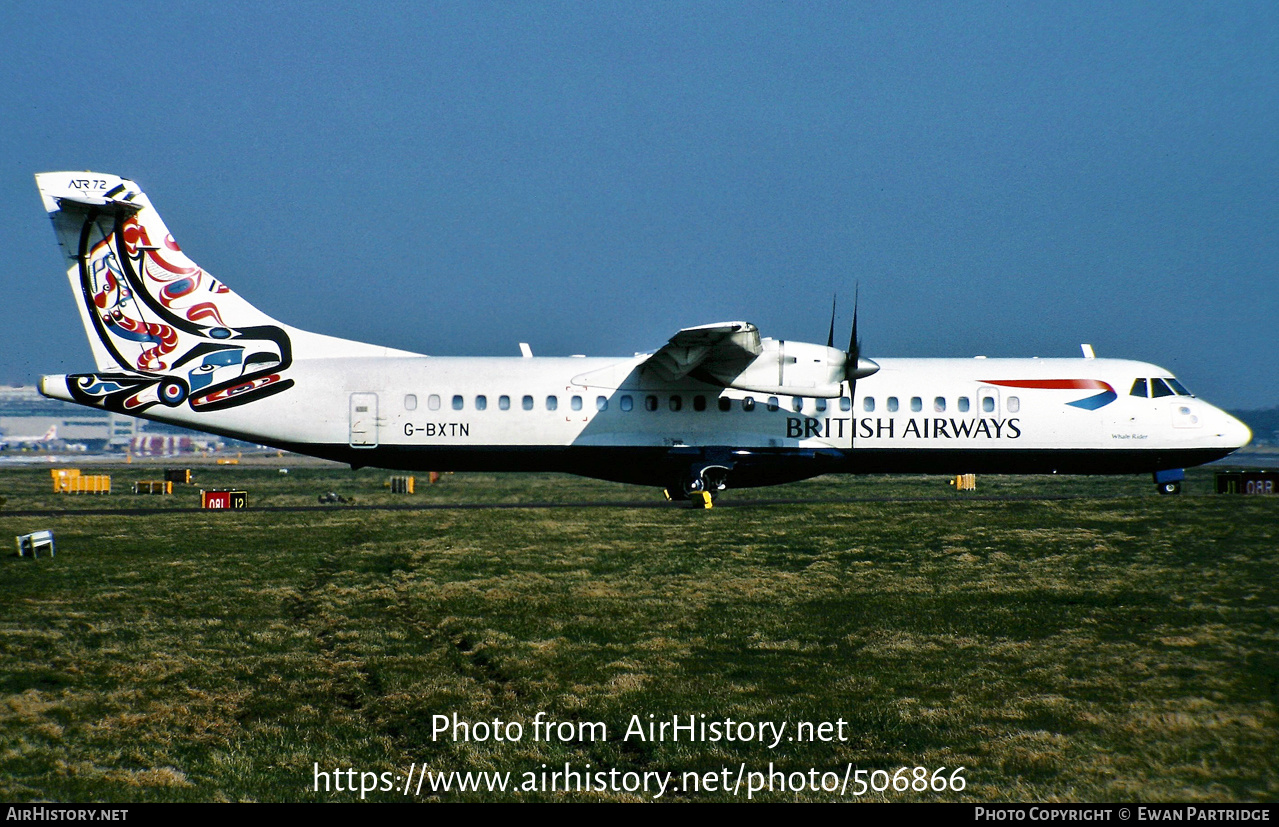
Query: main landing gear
701, 486
699, 499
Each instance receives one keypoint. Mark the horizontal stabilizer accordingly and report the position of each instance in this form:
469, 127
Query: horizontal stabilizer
110, 194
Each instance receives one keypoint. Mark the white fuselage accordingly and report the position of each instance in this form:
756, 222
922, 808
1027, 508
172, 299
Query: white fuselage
941, 415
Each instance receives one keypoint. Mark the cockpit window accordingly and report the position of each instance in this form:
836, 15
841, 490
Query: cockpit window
1159, 387
1138, 388
1178, 387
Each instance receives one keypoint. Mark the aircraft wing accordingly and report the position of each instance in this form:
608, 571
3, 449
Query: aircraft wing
724, 348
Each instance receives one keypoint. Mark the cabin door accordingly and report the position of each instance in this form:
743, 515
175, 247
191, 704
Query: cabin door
363, 420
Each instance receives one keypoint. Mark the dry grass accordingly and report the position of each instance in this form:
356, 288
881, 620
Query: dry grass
1088, 649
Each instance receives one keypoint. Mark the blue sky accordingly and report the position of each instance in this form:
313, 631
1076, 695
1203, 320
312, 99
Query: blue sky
454, 178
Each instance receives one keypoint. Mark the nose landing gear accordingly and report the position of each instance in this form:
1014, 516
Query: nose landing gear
1169, 482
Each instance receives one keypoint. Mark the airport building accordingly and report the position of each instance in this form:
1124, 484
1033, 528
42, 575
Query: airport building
25, 414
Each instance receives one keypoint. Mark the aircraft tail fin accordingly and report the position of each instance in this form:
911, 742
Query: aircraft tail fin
141, 299
162, 330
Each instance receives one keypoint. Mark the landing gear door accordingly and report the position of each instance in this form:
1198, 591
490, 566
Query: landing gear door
363, 420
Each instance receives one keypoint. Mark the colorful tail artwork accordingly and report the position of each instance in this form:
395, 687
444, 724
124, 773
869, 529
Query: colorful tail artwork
163, 331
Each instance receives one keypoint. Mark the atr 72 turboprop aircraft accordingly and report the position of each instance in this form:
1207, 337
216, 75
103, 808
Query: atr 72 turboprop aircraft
716, 406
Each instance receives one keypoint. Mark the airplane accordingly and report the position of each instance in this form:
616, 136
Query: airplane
40, 439
716, 406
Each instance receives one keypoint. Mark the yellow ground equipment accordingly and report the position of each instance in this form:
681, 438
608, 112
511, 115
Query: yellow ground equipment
71, 481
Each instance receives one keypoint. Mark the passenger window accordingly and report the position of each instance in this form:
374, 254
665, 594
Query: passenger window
797, 404
458, 402
916, 404
433, 402
748, 403
650, 403
527, 403
628, 404
725, 404
868, 404
601, 403
772, 403
699, 403
845, 403
821, 405
1138, 388
481, 403
552, 402
504, 403
1013, 404
1159, 387
410, 402
963, 404
576, 403
677, 402
939, 405
988, 404
892, 404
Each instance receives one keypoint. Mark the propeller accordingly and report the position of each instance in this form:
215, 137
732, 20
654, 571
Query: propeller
855, 367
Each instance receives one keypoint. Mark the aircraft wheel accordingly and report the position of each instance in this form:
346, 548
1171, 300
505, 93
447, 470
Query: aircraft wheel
1168, 488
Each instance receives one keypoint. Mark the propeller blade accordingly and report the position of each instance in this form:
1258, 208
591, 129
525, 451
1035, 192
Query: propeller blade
854, 345
830, 337
855, 366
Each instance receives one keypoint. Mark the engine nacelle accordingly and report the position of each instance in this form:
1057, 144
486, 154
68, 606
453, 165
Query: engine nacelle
797, 369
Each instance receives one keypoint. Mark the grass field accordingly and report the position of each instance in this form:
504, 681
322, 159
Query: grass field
1088, 641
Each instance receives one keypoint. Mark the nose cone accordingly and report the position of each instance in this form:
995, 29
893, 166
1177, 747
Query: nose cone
1236, 433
